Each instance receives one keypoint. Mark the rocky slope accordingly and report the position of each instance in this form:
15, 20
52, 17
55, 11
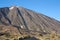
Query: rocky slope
18, 20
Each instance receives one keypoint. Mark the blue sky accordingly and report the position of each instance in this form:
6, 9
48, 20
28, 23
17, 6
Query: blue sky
48, 7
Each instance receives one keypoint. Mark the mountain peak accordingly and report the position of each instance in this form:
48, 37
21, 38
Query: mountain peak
13, 7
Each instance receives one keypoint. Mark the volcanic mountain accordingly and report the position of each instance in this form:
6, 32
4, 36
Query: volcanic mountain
16, 18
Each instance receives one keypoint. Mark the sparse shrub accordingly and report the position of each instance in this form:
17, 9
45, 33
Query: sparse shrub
47, 38
41, 35
7, 34
15, 39
27, 37
6, 39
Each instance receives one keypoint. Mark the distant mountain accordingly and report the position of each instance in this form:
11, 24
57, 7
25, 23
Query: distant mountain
22, 18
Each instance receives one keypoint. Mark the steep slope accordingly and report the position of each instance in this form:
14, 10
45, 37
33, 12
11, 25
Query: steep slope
22, 18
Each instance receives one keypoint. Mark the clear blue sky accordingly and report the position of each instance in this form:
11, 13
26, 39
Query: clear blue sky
48, 7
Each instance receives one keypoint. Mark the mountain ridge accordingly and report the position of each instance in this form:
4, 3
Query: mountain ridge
28, 19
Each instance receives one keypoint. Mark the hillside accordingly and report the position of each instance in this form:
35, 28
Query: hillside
21, 21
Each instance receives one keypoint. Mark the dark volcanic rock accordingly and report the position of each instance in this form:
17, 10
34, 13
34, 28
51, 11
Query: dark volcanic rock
28, 38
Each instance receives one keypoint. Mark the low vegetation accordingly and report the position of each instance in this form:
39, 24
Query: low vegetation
52, 36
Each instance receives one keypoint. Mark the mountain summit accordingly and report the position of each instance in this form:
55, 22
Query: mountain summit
22, 18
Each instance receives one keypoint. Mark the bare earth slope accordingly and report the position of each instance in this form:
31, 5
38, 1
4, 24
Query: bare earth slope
21, 18
27, 19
